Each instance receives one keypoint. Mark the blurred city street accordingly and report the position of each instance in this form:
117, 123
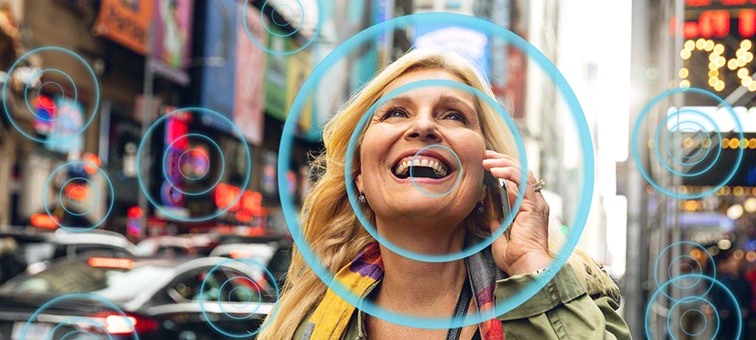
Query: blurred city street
156, 154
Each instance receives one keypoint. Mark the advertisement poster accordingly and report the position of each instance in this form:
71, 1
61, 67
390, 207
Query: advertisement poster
300, 65
219, 52
248, 89
68, 122
125, 22
173, 32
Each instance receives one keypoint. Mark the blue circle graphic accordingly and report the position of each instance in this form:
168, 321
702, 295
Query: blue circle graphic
37, 74
148, 137
681, 257
315, 33
351, 192
60, 197
246, 303
674, 153
95, 95
100, 172
420, 152
281, 24
220, 175
665, 165
676, 244
636, 152
367, 36
688, 299
248, 333
699, 312
76, 296
200, 176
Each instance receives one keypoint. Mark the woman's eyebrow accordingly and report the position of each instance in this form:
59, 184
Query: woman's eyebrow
447, 99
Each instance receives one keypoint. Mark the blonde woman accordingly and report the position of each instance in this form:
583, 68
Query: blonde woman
578, 303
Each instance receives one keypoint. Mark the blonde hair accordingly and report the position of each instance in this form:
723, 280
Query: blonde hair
332, 229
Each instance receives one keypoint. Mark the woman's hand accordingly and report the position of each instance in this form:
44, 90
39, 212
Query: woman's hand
527, 249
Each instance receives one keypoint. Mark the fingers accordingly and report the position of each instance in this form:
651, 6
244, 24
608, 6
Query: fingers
508, 168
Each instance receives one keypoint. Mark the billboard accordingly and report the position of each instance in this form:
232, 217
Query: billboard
275, 76
219, 53
125, 22
248, 92
172, 27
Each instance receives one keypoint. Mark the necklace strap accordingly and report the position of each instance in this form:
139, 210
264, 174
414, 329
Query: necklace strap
463, 302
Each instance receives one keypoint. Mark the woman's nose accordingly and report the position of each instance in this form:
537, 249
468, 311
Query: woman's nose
423, 128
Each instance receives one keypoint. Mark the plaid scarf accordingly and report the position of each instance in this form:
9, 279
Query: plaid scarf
331, 317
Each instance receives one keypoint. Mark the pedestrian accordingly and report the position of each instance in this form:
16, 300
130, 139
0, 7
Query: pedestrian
466, 140
11, 261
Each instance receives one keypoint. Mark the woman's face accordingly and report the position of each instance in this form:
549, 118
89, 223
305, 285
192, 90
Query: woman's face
405, 124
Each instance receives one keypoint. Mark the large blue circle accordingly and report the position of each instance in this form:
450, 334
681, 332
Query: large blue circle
249, 333
665, 165
104, 175
315, 34
507, 220
146, 139
95, 95
220, 175
292, 216
664, 287
78, 296
661, 253
636, 153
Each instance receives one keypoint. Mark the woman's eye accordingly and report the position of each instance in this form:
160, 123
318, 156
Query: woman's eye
454, 115
394, 113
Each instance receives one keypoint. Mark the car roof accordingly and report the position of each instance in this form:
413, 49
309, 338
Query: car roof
92, 237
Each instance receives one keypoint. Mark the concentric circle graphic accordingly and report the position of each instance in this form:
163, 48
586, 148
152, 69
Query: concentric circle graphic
240, 298
693, 302
54, 72
73, 190
287, 7
174, 159
684, 259
507, 220
412, 170
77, 322
685, 123
440, 19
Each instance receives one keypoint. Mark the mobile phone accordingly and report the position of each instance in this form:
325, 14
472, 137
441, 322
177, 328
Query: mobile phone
502, 200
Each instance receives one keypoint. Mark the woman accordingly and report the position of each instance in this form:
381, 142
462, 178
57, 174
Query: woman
578, 303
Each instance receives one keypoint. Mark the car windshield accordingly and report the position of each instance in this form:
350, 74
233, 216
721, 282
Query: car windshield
80, 277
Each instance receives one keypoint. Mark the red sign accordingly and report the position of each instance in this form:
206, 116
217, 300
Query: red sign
227, 197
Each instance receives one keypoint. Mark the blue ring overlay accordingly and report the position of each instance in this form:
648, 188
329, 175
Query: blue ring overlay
412, 175
246, 303
674, 153
248, 333
26, 93
678, 243
60, 197
636, 152
101, 172
687, 299
351, 191
146, 139
367, 36
220, 175
669, 270
77, 332
95, 95
665, 165
181, 171
315, 34
262, 18
79, 296
691, 300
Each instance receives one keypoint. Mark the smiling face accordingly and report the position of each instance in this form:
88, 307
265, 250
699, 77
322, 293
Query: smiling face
405, 124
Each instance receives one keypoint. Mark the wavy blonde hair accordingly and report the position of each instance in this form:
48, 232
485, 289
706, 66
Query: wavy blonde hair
332, 229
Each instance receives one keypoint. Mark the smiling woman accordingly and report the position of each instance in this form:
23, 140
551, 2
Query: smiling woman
422, 168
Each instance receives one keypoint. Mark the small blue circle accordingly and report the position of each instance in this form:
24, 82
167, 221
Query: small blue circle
699, 312
148, 137
667, 248
55, 70
196, 178
669, 270
220, 175
665, 165
368, 35
459, 176
60, 197
315, 34
636, 152
354, 139
262, 18
689, 299
247, 334
95, 95
49, 120
291, 12
259, 298
83, 164
77, 296
674, 153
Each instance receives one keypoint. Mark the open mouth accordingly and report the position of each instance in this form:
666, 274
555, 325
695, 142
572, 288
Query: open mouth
421, 167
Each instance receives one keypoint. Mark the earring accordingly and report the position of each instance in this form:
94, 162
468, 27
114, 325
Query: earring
481, 209
362, 198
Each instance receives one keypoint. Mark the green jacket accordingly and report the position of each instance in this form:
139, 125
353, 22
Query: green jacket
563, 309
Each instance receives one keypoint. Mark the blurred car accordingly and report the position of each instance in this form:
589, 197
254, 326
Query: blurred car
161, 298
272, 252
167, 246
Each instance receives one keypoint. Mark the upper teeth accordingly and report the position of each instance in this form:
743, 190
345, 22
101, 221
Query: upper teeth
434, 164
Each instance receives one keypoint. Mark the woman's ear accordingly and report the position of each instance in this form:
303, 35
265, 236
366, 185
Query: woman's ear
358, 182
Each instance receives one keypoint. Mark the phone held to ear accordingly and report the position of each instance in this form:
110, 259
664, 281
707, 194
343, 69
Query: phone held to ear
500, 186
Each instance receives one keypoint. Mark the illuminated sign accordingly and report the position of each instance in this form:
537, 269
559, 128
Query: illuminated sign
717, 34
242, 209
